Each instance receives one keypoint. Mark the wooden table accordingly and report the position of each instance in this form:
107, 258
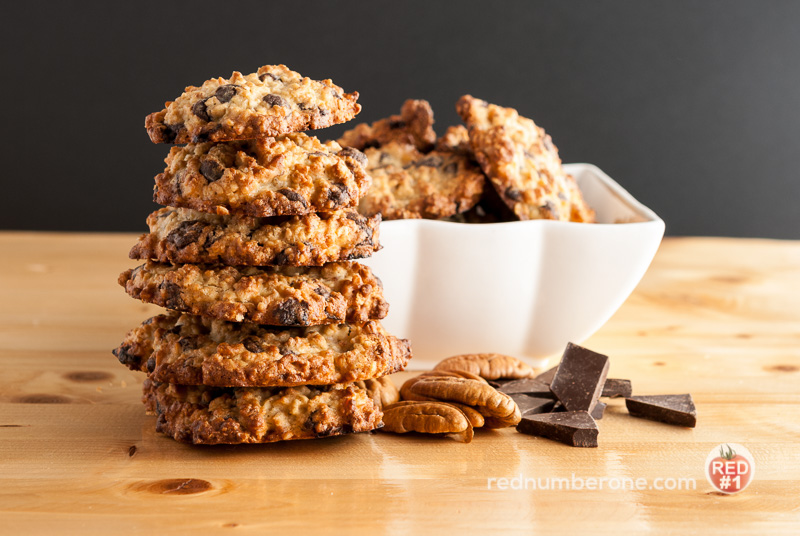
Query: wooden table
718, 318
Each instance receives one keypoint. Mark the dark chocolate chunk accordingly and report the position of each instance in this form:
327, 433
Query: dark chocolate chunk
199, 109
187, 232
529, 386
575, 428
670, 409
291, 195
212, 169
616, 388
547, 375
599, 409
429, 161
171, 293
513, 194
338, 194
396, 123
531, 405
292, 312
276, 100
226, 92
360, 157
255, 345
580, 378
263, 76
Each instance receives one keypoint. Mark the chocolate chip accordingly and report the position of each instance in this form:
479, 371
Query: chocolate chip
513, 194
336, 94
151, 364
293, 196
339, 194
189, 343
451, 168
276, 100
304, 106
291, 312
125, 356
226, 92
188, 232
264, 76
355, 154
323, 112
429, 161
322, 291
211, 168
255, 345
170, 132
171, 294
550, 209
199, 109
396, 123
280, 258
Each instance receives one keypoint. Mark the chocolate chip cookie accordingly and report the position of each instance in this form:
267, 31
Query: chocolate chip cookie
182, 235
520, 160
273, 101
414, 126
289, 175
410, 184
193, 350
278, 296
208, 416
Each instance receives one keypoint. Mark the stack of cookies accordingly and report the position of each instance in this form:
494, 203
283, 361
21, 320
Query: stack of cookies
273, 332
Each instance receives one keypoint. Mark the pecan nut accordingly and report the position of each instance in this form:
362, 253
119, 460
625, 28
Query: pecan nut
427, 418
498, 409
488, 366
381, 390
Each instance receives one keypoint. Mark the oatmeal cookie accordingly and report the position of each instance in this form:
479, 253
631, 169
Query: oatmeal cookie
414, 126
183, 235
192, 350
520, 160
273, 101
410, 184
289, 175
456, 140
208, 416
277, 296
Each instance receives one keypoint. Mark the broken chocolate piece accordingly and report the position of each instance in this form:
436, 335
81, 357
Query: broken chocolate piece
580, 378
531, 405
670, 409
596, 413
575, 428
599, 409
529, 386
547, 376
616, 388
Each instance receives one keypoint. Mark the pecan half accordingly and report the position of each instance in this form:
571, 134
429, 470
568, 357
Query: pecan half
488, 366
382, 391
498, 409
427, 418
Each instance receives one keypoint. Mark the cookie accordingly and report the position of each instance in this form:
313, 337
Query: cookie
210, 416
520, 160
273, 101
278, 296
290, 175
580, 211
410, 184
193, 350
414, 126
182, 235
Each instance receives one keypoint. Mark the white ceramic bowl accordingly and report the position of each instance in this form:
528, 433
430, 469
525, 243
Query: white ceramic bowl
518, 288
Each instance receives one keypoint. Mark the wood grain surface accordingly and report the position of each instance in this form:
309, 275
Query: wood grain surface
719, 318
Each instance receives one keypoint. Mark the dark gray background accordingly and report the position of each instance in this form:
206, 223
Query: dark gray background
694, 107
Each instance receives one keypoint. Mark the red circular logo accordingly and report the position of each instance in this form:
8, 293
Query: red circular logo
730, 467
